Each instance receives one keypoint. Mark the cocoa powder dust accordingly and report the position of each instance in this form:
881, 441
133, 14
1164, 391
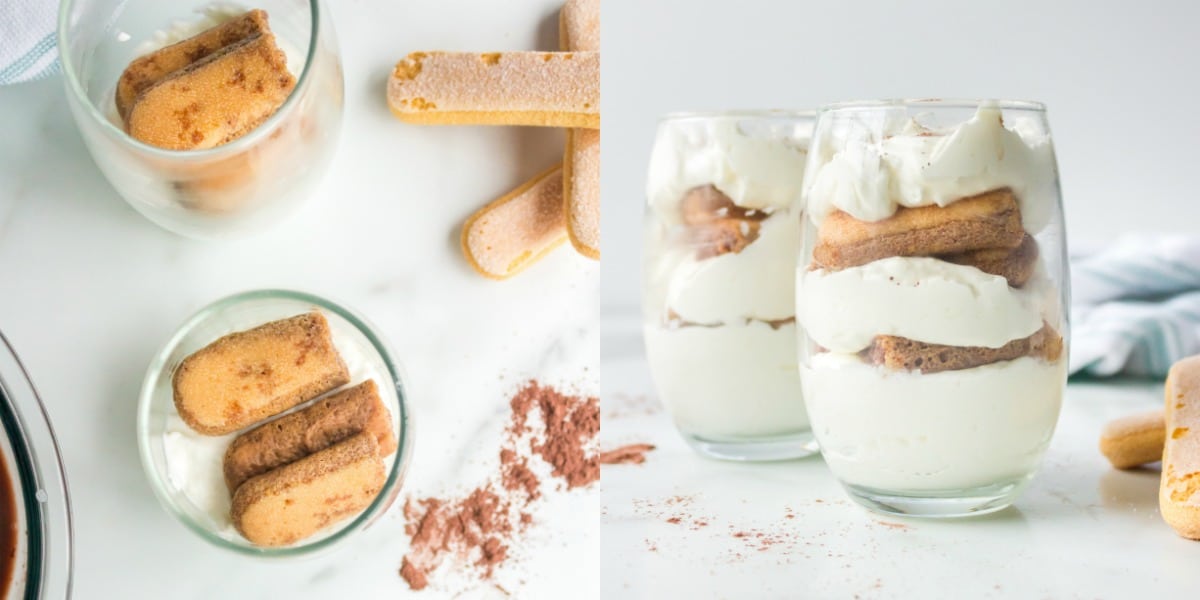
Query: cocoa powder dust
630, 454
473, 533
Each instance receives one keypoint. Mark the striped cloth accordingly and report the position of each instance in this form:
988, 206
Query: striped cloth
1136, 306
27, 40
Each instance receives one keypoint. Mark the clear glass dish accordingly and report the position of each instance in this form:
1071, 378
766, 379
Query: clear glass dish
237, 188
365, 353
932, 291
34, 466
721, 236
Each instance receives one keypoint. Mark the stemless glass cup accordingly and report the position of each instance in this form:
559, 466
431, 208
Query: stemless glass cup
932, 291
43, 550
722, 230
233, 189
191, 494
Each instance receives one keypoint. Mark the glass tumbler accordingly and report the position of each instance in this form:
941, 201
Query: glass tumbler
240, 187
932, 291
722, 233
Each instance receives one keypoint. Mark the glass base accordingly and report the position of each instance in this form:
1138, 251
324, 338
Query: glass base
784, 447
939, 504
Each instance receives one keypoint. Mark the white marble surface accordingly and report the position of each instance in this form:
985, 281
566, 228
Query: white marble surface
1082, 530
89, 290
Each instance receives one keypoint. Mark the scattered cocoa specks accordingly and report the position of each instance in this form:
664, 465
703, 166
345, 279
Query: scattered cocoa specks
620, 406
475, 532
629, 454
899, 526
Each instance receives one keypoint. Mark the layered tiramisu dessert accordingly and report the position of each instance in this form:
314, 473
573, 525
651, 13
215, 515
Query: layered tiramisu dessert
721, 246
931, 295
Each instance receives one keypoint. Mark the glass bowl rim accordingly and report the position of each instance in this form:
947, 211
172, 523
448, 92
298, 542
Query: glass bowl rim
933, 102
403, 437
75, 89
51, 477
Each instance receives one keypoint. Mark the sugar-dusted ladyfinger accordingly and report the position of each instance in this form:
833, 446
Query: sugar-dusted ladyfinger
579, 30
552, 89
145, 71
518, 229
245, 377
1179, 487
318, 426
216, 99
288, 504
581, 190
579, 25
1134, 440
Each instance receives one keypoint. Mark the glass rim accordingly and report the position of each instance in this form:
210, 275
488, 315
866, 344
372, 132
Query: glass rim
75, 88
1001, 103
746, 113
45, 493
403, 435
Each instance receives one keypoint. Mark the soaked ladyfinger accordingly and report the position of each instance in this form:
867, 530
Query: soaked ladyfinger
147, 70
245, 377
296, 435
288, 504
215, 100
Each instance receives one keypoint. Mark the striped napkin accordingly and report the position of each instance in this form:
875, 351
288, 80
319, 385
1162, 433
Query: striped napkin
1135, 306
27, 44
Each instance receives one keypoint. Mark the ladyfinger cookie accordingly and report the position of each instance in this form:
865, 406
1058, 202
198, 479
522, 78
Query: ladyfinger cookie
988, 220
1014, 264
148, 70
581, 190
214, 100
248, 376
294, 436
706, 204
579, 30
518, 229
1179, 487
288, 504
716, 225
553, 89
898, 353
1134, 440
579, 25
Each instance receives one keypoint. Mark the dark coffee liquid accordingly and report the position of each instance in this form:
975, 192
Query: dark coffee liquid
8, 530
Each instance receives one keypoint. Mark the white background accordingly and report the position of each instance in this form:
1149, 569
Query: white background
1120, 80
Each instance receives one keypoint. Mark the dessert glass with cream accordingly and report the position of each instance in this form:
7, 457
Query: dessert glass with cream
187, 469
932, 290
245, 183
722, 233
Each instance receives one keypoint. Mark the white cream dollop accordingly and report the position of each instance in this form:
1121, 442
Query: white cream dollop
923, 299
873, 168
756, 283
755, 170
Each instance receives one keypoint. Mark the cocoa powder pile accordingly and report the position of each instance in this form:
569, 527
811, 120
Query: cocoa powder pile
473, 533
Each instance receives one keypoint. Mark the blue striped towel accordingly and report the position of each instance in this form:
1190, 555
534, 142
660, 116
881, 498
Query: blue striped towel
1136, 306
27, 40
